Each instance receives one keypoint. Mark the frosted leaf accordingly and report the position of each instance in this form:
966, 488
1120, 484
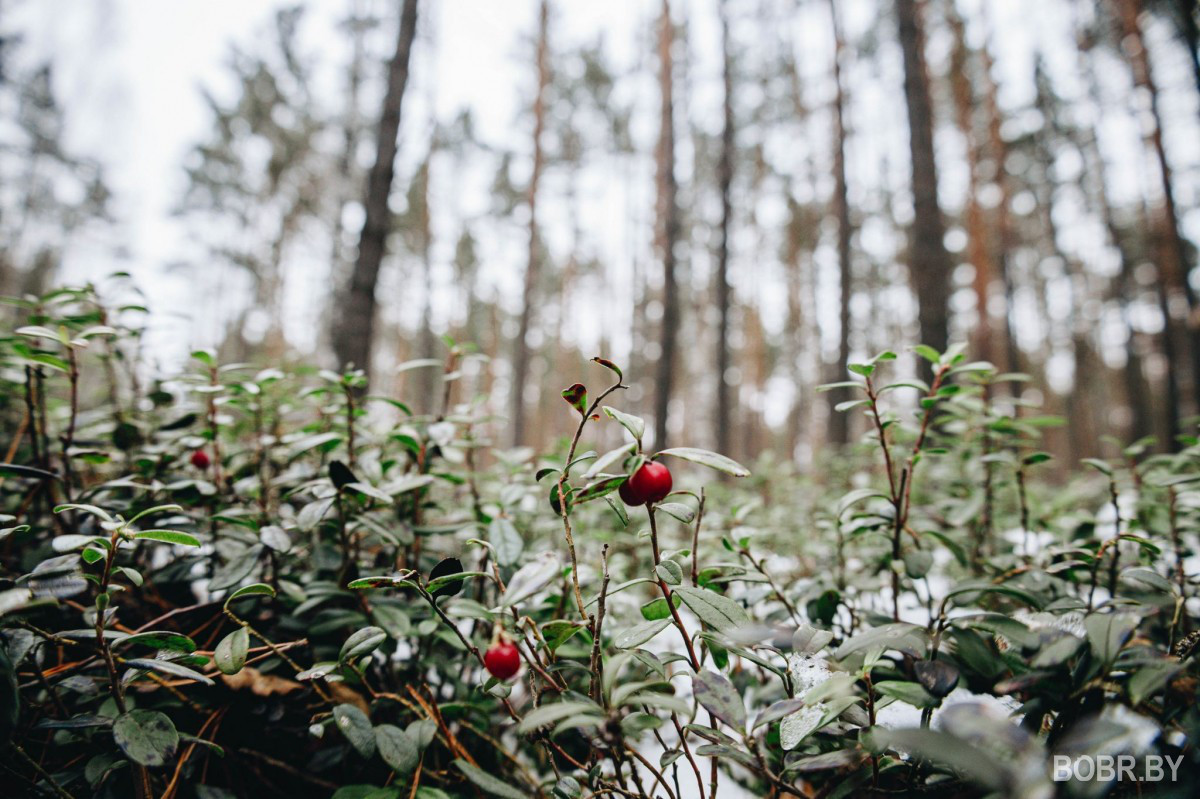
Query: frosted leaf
795, 728
807, 672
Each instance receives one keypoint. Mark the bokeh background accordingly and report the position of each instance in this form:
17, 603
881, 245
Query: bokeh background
731, 198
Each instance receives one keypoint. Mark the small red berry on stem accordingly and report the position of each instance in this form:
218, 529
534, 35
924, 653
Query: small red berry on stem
200, 459
650, 483
502, 660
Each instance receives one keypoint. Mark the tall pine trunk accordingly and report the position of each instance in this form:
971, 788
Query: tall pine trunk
929, 262
520, 374
354, 320
725, 181
668, 229
1177, 300
978, 252
839, 423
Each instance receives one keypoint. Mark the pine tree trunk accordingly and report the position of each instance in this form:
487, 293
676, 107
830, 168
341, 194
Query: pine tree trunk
1177, 300
520, 374
725, 181
668, 230
929, 262
839, 423
1002, 241
978, 251
1124, 287
354, 321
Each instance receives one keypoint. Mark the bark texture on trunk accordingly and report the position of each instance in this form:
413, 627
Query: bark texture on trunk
668, 230
839, 423
1177, 300
354, 320
929, 262
978, 251
725, 181
520, 372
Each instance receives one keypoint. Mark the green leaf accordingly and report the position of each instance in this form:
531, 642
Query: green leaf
639, 634
712, 460
167, 667
155, 510
1108, 632
559, 631
908, 692
864, 369
669, 572
938, 677
1151, 678
856, 496
442, 583
717, 611
552, 712
657, 608
230, 654
357, 728
927, 352
1146, 579
168, 537
728, 752
504, 538
361, 643
176, 642
780, 709
396, 748
489, 784
254, 589
634, 424
608, 459
568, 788
599, 488
368, 490
147, 737
945, 749
717, 695
677, 509
809, 640
99, 513
907, 638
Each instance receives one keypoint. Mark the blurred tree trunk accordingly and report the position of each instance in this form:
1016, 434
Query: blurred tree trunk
1086, 398
344, 181
978, 251
428, 379
725, 182
1124, 287
1002, 225
354, 321
1181, 338
520, 373
929, 262
839, 423
668, 229
1187, 18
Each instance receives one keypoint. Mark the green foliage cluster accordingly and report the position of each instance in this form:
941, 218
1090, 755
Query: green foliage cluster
305, 609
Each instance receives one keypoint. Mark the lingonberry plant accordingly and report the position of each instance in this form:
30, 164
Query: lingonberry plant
238, 581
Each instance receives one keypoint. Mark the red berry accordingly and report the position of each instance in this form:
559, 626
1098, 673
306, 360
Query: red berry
502, 660
200, 459
650, 483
